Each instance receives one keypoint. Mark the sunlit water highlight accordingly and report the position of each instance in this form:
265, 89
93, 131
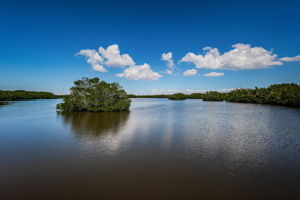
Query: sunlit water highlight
161, 149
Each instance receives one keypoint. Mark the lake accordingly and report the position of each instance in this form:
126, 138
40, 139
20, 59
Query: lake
161, 149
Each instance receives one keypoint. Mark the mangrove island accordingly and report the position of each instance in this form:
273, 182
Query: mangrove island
94, 95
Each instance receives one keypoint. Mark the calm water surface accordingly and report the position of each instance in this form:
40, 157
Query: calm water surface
159, 150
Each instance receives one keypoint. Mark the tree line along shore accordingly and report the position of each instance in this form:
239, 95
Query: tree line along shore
6, 95
287, 94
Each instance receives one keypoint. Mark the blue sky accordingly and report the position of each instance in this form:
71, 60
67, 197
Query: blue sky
47, 45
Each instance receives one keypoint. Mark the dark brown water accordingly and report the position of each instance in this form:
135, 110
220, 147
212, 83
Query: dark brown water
159, 150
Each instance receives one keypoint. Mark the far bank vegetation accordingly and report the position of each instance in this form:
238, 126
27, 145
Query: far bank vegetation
287, 94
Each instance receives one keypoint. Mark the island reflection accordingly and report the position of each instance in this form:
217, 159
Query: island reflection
93, 125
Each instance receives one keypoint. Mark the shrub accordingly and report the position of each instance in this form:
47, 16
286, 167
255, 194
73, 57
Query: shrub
280, 94
214, 96
178, 96
95, 96
196, 96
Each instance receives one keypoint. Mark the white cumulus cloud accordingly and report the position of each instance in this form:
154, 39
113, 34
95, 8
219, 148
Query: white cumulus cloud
114, 58
139, 72
289, 59
214, 74
110, 57
242, 56
190, 72
93, 58
168, 58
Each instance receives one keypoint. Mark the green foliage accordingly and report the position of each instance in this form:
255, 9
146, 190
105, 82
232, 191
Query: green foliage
25, 95
95, 96
214, 96
196, 96
279, 94
178, 96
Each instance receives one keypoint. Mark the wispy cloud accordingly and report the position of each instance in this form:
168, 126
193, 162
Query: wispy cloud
168, 58
214, 74
290, 59
190, 72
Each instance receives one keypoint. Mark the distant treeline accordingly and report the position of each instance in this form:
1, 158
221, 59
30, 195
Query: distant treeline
24, 95
181, 96
278, 94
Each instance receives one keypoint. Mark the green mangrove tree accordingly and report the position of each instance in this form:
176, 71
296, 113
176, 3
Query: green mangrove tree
95, 96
